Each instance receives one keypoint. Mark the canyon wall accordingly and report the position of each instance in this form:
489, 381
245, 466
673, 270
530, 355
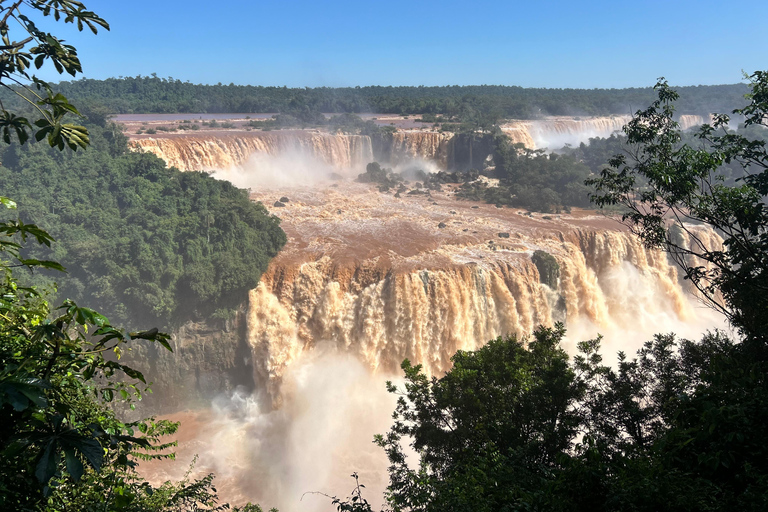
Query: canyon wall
207, 358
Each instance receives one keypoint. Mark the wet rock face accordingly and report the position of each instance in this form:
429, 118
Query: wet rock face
208, 359
546, 264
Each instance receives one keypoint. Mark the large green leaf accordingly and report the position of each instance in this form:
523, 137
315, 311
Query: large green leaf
74, 466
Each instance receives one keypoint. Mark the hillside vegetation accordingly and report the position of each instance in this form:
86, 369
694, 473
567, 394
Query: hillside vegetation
145, 243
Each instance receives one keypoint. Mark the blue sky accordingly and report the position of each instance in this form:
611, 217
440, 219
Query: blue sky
553, 44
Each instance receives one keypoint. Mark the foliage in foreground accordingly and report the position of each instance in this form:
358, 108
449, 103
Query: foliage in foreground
61, 447
720, 180
517, 426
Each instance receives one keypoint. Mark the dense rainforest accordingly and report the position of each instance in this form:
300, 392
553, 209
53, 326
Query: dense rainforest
145, 243
151, 94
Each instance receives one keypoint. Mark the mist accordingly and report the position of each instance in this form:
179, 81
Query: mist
285, 170
323, 432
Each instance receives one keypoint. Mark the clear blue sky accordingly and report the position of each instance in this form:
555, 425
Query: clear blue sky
583, 44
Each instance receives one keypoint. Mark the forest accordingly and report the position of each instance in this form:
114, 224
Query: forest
152, 94
146, 243
554, 181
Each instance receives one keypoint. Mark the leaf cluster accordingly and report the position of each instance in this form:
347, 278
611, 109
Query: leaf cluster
669, 185
24, 47
516, 425
54, 371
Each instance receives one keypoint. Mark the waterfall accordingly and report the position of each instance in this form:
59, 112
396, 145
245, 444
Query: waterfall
457, 297
423, 145
192, 153
555, 132
368, 279
341, 151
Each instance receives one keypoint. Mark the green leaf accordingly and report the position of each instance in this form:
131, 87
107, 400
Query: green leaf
74, 466
9, 394
11, 205
34, 389
20, 392
92, 451
46, 466
53, 265
134, 374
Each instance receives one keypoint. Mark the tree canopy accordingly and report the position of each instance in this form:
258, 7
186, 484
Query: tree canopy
719, 179
152, 94
158, 245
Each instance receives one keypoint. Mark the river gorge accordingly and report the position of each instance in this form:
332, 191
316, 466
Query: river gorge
292, 390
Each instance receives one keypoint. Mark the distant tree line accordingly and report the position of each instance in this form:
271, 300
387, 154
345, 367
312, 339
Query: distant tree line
152, 94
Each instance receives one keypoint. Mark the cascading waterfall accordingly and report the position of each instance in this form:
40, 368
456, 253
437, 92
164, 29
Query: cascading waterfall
421, 145
555, 132
342, 151
383, 315
368, 279
688, 121
193, 153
